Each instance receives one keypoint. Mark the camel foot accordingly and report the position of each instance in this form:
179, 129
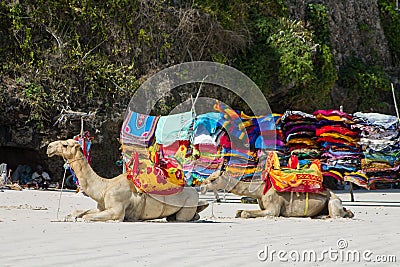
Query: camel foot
245, 214
171, 218
238, 213
321, 217
202, 205
348, 213
86, 218
103, 216
196, 217
70, 218
79, 213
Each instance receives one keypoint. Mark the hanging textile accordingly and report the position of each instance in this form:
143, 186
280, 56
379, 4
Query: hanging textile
174, 127
138, 129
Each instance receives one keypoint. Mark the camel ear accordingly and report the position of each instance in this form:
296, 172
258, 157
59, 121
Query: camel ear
75, 144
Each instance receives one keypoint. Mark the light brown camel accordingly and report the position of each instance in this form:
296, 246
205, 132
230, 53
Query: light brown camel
274, 203
118, 199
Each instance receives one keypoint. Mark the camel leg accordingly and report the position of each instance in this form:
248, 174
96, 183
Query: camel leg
105, 215
80, 213
216, 195
188, 210
256, 213
268, 209
186, 214
116, 214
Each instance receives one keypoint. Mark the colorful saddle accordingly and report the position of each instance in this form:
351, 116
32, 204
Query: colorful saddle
292, 178
156, 176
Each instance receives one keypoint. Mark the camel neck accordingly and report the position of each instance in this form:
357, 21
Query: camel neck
249, 189
92, 184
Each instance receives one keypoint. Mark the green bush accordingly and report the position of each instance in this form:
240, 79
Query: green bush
368, 84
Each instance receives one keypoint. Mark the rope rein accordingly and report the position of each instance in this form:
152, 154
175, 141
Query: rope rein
69, 162
59, 199
63, 181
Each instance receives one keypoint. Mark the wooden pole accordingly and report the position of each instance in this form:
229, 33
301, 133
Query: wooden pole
395, 102
394, 96
351, 192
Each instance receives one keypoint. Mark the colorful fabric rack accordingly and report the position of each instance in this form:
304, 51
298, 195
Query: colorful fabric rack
362, 148
380, 143
207, 156
237, 139
340, 152
299, 133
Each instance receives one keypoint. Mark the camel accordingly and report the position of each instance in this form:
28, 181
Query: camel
273, 203
118, 199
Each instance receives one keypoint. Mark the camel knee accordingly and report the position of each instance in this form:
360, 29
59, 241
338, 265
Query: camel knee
186, 214
336, 209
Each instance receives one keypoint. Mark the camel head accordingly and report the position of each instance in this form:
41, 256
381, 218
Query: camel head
68, 149
215, 181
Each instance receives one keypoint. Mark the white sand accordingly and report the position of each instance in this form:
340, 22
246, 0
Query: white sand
30, 235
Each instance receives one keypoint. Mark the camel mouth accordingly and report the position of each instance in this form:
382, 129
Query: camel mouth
50, 152
348, 213
203, 189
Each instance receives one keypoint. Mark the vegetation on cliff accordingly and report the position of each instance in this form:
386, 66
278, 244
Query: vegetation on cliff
390, 17
92, 55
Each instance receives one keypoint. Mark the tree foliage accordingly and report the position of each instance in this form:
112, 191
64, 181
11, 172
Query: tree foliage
364, 81
92, 55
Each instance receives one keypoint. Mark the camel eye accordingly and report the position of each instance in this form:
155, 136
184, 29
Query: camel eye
65, 146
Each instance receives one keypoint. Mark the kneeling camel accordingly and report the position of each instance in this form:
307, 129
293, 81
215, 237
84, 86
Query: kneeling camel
273, 203
118, 198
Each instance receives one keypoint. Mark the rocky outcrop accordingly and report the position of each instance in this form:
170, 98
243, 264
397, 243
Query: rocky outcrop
355, 29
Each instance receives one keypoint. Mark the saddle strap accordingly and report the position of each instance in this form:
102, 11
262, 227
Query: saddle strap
306, 208
290, 202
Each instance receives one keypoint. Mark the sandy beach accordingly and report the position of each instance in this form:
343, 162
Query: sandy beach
33, 235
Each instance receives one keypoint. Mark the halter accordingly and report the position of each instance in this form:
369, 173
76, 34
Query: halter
226, 188
69, 162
